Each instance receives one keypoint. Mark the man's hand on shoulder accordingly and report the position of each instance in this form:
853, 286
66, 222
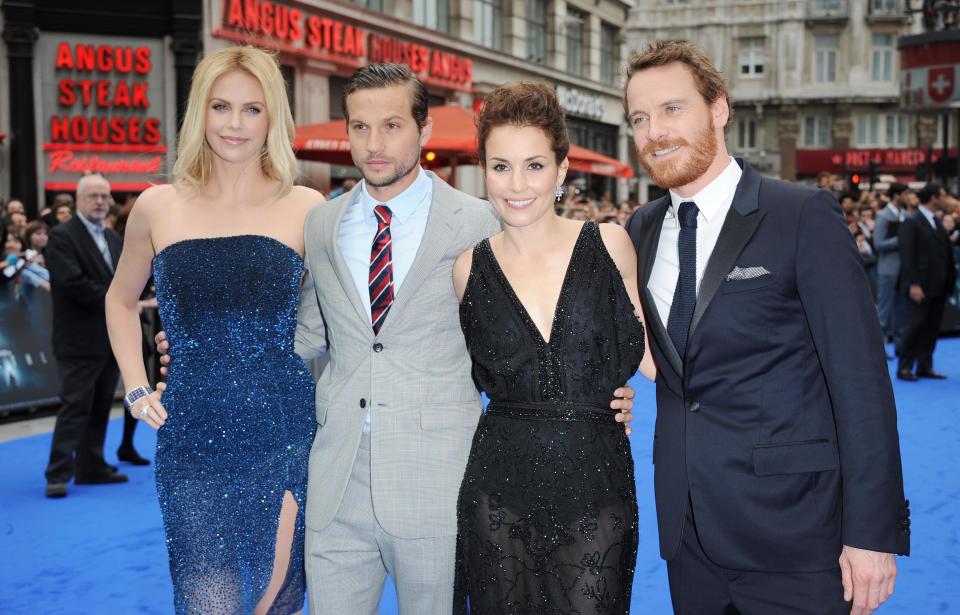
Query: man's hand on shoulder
868, 578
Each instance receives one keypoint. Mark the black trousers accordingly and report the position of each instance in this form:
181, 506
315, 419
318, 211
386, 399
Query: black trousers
87, 388
700, 587
920, 337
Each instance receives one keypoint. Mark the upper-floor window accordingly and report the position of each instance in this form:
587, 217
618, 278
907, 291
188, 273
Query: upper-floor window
376, 5
576, 41
823, 6
536, 16
938, 135
752, 56
433, 14
488, 23
882, 130
885, 7
609, 53
746, 134
816, 131
883, 49
825, 58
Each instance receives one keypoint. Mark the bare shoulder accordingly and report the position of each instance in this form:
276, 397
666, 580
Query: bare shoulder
618, 243
155, 198
303, 199
461, 271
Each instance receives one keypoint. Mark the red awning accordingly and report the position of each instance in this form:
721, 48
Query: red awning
453, 142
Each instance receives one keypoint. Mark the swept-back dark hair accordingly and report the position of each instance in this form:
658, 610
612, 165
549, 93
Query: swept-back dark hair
929, 191
375, 76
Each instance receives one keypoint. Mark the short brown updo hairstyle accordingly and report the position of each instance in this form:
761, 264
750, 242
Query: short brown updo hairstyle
523, 104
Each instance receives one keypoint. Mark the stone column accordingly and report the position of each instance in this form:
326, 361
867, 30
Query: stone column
788, 127
20, 35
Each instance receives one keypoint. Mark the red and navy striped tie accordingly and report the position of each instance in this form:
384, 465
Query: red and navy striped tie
381, 269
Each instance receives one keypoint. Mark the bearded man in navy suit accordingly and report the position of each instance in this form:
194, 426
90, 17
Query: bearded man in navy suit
778, 478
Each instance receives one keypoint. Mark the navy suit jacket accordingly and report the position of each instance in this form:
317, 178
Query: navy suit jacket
779, 425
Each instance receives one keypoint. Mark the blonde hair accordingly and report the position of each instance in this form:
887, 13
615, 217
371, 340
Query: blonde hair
195, 159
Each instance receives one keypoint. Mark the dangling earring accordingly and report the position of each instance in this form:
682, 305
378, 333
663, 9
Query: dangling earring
559, 193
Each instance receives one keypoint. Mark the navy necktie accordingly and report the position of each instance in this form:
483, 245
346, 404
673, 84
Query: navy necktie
685, 295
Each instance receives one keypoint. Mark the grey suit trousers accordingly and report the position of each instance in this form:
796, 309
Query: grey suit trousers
347, 562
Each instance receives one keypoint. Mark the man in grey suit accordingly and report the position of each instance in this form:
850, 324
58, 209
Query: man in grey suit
396, 406
891, 304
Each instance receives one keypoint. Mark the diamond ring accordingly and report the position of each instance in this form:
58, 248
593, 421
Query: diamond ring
144, 410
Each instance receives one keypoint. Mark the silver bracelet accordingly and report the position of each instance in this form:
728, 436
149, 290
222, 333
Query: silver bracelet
136, 394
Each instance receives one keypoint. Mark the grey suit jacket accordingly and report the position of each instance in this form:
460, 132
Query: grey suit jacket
414, 376
886, 243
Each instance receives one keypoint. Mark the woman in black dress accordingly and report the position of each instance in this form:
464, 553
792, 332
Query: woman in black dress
548, 510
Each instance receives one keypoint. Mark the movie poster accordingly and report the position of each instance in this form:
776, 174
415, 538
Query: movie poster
28, 371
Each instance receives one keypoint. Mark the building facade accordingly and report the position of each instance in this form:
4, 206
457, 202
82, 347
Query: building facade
815, 84
461, 49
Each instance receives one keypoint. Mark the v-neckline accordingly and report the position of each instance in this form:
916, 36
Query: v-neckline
521, 308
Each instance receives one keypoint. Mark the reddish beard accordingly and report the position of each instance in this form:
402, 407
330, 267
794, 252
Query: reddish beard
673, 173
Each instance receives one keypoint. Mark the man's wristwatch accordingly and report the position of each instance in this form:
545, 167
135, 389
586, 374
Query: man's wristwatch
135, 395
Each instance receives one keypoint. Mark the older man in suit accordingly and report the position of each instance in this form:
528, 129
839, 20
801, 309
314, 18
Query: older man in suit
396, 406
927, 278
778, 480
81, 255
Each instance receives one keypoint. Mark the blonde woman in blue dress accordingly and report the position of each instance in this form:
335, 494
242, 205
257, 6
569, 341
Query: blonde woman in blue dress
224, 242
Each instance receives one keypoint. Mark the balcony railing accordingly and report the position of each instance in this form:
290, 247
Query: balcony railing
885, 11
827, 11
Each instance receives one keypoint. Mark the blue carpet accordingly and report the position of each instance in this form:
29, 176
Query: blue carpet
101, 550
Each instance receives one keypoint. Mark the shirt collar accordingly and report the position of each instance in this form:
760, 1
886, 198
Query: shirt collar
893, 207
404, 204
92, 226
714, 195
927, 214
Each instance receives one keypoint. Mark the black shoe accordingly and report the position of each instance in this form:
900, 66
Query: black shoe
130, 455
101, 479
56, 490
932, 374
906, 375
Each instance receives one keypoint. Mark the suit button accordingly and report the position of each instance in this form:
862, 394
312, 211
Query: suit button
377, 347
693, 406
363, 403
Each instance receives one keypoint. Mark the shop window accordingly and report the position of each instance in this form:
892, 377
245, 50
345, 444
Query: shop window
609, 53
433, 14
576, 41
488, 23
536, 17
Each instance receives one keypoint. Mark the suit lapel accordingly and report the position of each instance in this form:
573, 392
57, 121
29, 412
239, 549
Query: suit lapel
738, 228
340, 265
443, 223
85, 242
649, 242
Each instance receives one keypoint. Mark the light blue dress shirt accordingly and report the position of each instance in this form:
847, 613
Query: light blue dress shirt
97, 231
358, 227
409, 212
929, 215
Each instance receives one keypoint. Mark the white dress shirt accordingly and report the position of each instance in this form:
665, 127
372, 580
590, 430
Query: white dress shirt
929, 216
713, 202
409, 211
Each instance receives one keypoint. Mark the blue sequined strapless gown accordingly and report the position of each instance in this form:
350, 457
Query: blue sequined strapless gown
241, 420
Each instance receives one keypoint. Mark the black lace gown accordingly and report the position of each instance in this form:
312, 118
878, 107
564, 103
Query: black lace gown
547, 518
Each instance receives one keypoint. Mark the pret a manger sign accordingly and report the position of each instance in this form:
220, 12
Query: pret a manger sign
311, 33
102, 108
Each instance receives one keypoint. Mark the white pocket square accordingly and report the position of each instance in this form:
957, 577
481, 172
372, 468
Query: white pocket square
746, 273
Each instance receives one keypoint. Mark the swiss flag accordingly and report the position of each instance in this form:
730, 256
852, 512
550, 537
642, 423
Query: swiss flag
940, 83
